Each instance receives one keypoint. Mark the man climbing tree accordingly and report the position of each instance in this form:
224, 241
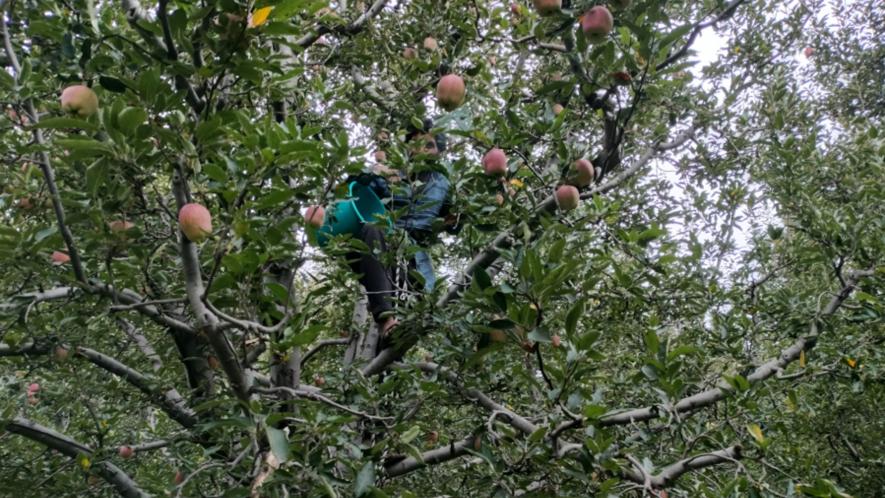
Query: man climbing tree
671, 254
419, 198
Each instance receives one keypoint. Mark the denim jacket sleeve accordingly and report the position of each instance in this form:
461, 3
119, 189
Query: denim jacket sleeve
426, 203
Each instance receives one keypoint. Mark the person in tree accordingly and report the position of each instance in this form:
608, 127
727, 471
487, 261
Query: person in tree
419, 195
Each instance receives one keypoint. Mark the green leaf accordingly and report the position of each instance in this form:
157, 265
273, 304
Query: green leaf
408, 436
539, 334
65, 123
365, 480
112, 84
571, 319
86, 146
279, 444
130, 118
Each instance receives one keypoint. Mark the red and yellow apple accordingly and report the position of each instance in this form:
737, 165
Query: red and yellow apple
60, 258
494, 163
195, 221
79, 100
584, 173
597, 23
450, 92
567, 197
314, 216
548, 7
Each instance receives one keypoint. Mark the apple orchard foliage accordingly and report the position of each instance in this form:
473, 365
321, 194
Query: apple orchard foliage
734, 201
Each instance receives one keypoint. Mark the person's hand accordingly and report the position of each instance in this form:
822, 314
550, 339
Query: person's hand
390, 174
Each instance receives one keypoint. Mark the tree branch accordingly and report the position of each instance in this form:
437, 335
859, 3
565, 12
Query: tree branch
206, 320
437, 455
45, 165
723, 390
322, 344
672, 472
503, 241
316, 396
351, 29
727, 12
71, 448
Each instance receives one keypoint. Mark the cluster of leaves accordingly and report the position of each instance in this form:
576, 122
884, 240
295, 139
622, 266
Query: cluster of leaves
703, 264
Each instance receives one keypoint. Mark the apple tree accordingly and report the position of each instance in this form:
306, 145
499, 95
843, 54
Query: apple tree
668, 280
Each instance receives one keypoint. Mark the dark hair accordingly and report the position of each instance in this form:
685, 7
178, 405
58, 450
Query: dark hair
440, 138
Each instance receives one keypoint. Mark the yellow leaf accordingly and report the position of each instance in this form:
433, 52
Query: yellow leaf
517, 183
756, 432
851, 362
259, 17
84, 462
802, 358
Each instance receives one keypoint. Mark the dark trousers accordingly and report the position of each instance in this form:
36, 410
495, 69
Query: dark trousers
374, 275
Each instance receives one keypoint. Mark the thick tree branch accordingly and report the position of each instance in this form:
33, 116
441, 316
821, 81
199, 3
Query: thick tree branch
169, 400
723, 390
195, 290
71, 448
437, 455
669, 474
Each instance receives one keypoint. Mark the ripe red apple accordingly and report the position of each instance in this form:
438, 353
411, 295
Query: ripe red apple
450, 92
314, 216
60, 258
556, 341
430, 43
494, 163
808, 52
515, 8
597, 23
79, 100
319, 381
125, 451
195, 221
548, 7
25, 203
567, 197
583, 173
61, 353
557, 109
409, 53
179, 477
33, 388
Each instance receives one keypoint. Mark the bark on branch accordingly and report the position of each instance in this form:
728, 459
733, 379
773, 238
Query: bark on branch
437, 455
672, 472
71, 448
723, 390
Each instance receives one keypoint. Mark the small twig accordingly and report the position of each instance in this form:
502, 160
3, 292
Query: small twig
315, 396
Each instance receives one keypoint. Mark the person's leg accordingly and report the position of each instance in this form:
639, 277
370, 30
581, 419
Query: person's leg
374, 276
